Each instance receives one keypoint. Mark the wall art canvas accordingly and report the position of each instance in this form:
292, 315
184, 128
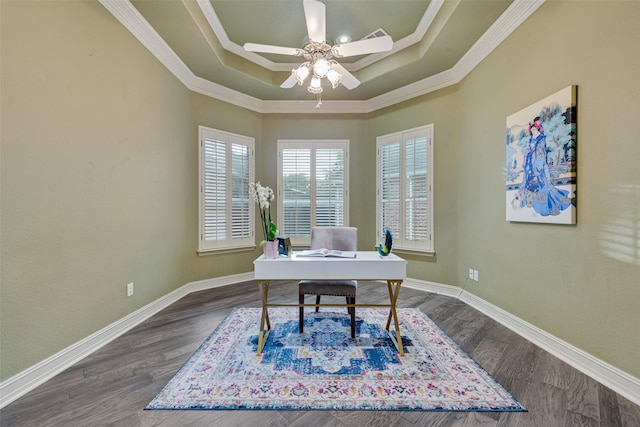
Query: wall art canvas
541, 160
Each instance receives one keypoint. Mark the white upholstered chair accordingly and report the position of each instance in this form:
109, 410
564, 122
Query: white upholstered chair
336, 238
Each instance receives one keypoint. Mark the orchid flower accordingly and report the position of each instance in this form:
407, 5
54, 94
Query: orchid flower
263, 197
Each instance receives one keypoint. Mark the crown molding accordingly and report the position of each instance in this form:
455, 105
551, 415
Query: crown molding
223, 38
411, 39
511, 19
502, 28
223, 93
133, 21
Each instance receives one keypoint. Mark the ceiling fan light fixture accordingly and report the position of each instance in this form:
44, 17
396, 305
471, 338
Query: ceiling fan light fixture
301, 73
334, 77
315, 86
321, 67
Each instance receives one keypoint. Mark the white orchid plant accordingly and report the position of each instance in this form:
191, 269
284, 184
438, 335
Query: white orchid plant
263, 197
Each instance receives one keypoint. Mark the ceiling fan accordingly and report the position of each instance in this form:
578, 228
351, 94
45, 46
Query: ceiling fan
319, 54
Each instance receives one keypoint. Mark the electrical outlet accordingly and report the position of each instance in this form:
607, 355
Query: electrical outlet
129, 290
471, 273
475, 275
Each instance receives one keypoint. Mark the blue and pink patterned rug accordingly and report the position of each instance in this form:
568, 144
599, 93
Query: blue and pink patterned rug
325, 368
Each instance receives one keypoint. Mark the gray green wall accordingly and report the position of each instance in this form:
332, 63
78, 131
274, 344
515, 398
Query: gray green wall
579, 283
96, 177
99, 177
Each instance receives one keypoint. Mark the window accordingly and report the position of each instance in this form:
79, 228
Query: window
312, 187
403, 192
226, 166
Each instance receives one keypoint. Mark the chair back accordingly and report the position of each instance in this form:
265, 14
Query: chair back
336, 238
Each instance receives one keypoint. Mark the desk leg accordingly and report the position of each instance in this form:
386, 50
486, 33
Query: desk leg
394, 290
264, 318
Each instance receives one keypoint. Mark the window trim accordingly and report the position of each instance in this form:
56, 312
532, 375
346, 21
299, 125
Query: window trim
427, 248
312, 144
204, 246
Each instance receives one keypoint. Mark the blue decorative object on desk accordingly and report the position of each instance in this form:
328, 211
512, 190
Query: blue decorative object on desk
385, 249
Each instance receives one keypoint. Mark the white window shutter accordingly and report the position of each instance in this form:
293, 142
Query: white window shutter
226, 209
312, 182
295, 195
404, 188
329, 186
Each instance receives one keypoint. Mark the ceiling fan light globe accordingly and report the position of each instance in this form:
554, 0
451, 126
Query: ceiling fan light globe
315, 86
334, 77
321, 67
301, 73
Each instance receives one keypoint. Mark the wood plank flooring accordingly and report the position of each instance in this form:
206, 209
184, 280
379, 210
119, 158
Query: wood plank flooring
112, 386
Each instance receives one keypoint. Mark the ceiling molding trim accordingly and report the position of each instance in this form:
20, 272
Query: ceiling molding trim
511, 19
438, 81
223, 38
223, 93
133, 21
411, 39
506, 23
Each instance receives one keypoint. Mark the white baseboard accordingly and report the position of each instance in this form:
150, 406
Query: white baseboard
27, 380
610, 376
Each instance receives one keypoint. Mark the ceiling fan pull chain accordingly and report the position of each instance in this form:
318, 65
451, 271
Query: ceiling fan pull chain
319, 101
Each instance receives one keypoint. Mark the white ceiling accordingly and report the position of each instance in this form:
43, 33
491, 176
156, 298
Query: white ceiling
436, 44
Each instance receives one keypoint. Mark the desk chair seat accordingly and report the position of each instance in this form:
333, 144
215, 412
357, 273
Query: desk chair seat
336, 238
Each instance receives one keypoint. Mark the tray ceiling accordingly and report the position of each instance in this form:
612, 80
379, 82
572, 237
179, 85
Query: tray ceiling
436, 43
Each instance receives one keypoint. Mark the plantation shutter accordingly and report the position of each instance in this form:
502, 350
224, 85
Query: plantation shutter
405, 201
389, 211
226, 168
329, 187
295, 191
240, 199
312, 187
416, 201
215, 189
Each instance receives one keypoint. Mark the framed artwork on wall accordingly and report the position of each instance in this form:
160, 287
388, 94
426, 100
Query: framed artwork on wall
541, 146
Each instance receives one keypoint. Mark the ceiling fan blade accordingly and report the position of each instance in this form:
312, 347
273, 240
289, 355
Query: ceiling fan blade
347, 80
361, 47
315, 14
289, 83
266, 48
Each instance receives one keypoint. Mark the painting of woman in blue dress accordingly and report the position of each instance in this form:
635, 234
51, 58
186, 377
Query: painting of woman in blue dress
540, 165
537, 188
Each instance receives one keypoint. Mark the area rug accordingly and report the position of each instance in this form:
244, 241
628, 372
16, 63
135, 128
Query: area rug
325, 368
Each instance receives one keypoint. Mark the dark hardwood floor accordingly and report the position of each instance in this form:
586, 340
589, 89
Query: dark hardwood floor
113, 385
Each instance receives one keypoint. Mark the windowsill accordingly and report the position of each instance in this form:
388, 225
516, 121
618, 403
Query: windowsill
415, 253
219, 251
297, 248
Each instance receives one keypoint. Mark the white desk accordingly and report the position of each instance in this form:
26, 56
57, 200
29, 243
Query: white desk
367, 265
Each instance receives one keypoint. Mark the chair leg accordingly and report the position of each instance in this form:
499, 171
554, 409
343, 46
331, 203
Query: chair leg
317, 302
301, 316
353, 317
